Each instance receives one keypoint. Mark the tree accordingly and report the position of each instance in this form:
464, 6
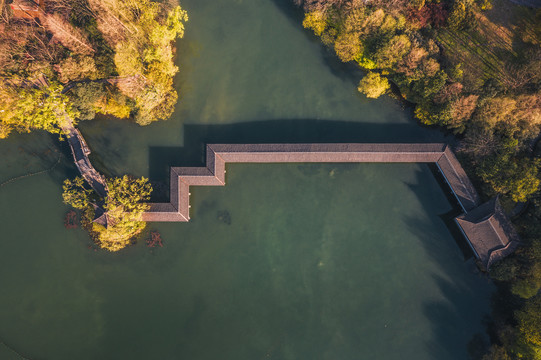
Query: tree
68, 35
315, 20
77, 68
75, 193
410, 63
460, 16
392, 52
348, 46
27, 108
124, 205
126, 196
529, 319
373, 85
90, 98
506, 173
461, 110
427, 87
145, 52
527, 287
496, 353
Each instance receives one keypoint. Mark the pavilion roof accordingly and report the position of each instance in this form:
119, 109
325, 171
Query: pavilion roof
489, 232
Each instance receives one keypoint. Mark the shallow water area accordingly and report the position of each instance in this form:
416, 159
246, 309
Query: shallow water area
331, 263
289, 261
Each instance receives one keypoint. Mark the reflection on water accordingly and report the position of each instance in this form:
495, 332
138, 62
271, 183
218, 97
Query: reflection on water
298, 261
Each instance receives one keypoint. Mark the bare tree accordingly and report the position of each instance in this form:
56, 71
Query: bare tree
67, 34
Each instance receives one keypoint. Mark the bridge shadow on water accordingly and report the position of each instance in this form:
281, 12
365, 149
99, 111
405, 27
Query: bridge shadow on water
466, 291
461, 285
196, 137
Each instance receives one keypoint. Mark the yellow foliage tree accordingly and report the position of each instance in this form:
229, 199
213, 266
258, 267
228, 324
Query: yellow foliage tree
27, 109
373, 85
315, 20
124, 206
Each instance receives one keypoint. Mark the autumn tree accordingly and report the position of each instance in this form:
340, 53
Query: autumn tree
393, 51
76, 194
506, 173
28, 108
315, 20
373, 85
123, 207
461, 110
142, 36
77, 68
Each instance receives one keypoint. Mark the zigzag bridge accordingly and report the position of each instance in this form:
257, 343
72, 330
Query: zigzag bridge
486, 227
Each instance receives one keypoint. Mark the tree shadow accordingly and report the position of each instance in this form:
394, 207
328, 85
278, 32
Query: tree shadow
36, 154
461, 284
349, 71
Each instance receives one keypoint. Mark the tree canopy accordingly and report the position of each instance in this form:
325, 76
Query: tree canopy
124, 207
373, 85
29, 108
126, 47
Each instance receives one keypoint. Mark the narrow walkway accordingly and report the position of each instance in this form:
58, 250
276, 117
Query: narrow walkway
181, 178
487, 229
80, 152
77, 143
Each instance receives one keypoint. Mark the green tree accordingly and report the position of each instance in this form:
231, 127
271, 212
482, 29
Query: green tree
89, 98
506, 173
458, 15
76, 194
427, 87
126, 196
124, 205
373, 85
526, 287
26, 109
529, 319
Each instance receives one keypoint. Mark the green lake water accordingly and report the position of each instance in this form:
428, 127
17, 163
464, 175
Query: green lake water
289, 261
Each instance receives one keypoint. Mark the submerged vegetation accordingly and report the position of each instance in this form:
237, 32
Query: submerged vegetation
472, 67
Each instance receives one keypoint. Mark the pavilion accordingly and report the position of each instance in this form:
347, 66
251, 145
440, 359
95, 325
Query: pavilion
489, 232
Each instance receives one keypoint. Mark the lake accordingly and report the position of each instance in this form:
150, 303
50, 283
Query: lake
287, 261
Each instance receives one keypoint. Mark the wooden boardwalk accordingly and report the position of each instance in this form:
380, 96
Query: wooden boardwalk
80, 152
181, 178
